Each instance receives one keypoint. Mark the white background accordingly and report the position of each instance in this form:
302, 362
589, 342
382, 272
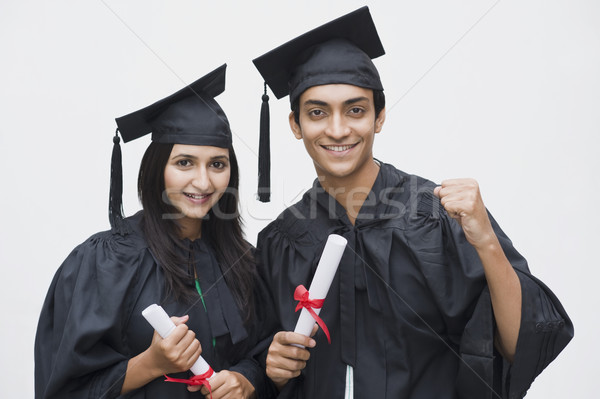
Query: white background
503, 91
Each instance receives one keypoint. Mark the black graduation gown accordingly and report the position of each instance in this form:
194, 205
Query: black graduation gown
91, 322
409, 308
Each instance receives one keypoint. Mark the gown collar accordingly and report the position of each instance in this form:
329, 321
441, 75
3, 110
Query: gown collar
375, 208
223, 313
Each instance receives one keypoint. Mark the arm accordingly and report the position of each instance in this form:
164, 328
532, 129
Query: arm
462, 200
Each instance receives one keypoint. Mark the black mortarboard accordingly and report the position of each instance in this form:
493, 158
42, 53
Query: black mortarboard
339, 51
189, 116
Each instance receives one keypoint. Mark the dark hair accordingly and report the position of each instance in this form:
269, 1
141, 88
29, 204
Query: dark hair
378, 102
223, 231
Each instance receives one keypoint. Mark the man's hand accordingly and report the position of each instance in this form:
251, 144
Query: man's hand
285, 360
462, 200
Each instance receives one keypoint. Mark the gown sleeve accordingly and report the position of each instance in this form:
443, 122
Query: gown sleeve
284, 245
464, 299
253, 366
79, 348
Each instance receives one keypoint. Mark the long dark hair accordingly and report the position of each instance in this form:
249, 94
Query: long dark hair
222, 228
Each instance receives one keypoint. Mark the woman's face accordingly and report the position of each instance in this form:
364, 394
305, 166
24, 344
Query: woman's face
196, 177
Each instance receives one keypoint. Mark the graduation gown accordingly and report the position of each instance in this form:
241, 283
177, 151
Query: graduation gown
91, 322
409, 308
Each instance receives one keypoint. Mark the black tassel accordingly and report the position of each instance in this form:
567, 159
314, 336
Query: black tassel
264, 152
115, 205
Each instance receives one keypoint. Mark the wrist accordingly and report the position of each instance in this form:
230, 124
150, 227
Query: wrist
148, 365
488, 243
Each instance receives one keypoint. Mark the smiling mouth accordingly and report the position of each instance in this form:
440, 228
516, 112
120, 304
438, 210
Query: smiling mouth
339, 148
197, 196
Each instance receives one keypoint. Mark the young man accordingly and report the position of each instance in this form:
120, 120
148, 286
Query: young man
431, 300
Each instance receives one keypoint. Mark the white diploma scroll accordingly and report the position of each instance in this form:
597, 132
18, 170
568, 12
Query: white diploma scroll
160, 321
328, 264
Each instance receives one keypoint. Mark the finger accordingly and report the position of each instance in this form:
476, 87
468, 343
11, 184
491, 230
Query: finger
171, 342
192, 352
292, 338
436, 191
463, 181
179, 334
180, 320
454, 209
293, 352
286, 364
187, 339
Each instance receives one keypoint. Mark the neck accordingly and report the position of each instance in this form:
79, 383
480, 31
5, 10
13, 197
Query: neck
351, 191
190, 228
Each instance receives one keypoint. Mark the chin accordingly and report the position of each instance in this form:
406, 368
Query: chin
196, 215
338, 171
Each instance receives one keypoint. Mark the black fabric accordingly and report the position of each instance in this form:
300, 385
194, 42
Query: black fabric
339, 51
189, 116
409, 307
91, 322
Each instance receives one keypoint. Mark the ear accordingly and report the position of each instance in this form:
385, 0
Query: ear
379, 121
295, 127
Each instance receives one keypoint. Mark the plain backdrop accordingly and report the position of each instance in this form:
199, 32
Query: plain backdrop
504, 91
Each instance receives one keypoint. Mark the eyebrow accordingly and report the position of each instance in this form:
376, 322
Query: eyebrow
184, 156
195, 157
324, 104
315, 102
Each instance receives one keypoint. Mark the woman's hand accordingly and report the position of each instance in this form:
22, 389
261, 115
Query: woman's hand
176, 353
227, 384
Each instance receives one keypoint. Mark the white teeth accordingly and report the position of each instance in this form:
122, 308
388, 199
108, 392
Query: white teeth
196, 196
338, 148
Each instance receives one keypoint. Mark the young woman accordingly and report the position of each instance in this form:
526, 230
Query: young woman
184, 251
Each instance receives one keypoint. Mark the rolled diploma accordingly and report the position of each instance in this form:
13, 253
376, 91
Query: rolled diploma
159, 319
328, 264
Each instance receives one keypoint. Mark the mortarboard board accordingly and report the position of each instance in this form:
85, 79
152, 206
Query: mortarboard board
188, 116
338, 52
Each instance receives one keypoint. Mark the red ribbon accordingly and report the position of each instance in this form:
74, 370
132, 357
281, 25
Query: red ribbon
201, 379
301, 294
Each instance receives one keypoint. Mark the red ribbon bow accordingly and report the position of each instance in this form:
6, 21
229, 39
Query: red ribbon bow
201, 379
301, 294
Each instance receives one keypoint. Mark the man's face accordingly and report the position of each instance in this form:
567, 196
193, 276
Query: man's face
338, 126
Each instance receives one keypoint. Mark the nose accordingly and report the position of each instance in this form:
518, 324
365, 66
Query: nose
337, 127
201, 180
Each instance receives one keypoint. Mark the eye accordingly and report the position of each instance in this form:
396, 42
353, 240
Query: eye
184, 163
316, 113
356, 110
219, 165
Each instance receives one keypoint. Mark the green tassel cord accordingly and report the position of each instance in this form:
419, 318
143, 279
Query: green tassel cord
214, 341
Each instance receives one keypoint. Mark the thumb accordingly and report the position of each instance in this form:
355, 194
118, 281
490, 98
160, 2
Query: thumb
314, 330
180, 320
436, 191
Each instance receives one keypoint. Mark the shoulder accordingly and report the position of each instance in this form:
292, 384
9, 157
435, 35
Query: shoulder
295, 222
106, 249
128, 242
413, 191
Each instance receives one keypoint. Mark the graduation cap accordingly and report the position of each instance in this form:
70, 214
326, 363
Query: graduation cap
338, 52
189, 116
